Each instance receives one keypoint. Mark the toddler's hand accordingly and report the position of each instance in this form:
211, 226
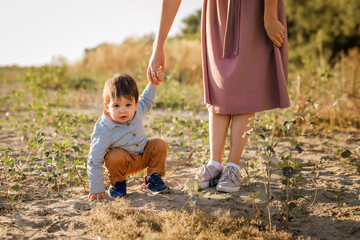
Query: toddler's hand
97, 196
159, 75
156, 64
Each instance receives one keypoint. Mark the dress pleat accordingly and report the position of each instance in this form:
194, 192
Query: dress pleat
243, 70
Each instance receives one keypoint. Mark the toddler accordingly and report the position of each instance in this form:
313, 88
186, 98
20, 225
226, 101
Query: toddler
119, 140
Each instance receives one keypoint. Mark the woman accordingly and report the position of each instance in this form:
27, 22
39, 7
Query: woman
244, 53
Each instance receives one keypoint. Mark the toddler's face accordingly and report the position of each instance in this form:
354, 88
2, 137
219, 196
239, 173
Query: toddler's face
122, 109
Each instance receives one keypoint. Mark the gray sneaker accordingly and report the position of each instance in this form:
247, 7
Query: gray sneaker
207, 176
230, 180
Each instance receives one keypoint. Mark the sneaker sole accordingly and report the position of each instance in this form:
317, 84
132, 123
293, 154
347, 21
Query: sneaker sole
227, 189
166, 190
207, 184
204, 185
108, 193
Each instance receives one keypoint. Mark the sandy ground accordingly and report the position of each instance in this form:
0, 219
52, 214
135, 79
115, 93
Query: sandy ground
66, 216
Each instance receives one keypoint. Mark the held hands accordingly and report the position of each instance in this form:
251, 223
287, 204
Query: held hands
97, 196
275, 31
156, 75
155, 71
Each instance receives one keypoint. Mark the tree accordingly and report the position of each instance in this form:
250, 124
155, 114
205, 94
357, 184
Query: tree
322, 27
192, 23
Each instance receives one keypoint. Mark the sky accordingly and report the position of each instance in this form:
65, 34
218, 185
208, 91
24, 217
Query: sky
35, 31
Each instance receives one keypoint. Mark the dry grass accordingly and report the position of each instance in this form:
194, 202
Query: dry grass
100, 63
118, 220
183, 60
335, 89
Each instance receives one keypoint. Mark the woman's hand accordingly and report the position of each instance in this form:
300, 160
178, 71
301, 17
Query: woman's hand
97, 196
275, 31
156, 68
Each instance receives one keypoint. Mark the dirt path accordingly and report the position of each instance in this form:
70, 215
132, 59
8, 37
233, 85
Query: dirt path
334, 214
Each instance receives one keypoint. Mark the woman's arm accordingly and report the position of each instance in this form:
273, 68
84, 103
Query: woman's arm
274, 28
157, 60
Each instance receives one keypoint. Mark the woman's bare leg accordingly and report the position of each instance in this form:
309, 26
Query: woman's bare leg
239, 124
218, 126
230, 180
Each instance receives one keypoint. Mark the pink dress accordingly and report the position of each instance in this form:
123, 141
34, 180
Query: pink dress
243, 70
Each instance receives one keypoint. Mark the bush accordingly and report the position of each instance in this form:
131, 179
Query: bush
46, 77
319, 28
86, 83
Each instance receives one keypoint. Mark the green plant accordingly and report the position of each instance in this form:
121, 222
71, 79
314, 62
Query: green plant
195, 193
291, 166
263, 138
352, 157
253, 199
8, 164
263, 134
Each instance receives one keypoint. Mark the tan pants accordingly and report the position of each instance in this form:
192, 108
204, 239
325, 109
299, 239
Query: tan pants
120, 163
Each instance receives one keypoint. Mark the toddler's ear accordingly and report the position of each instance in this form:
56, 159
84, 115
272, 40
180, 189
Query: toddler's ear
106, 106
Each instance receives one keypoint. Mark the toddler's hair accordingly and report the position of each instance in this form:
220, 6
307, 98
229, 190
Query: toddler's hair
120, 85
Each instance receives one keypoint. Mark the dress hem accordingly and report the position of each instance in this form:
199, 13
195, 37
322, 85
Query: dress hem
219, 110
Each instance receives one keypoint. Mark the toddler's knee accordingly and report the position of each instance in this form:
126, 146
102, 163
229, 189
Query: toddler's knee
161, 144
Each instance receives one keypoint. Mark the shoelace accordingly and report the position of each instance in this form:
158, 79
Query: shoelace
230, 173
203, 171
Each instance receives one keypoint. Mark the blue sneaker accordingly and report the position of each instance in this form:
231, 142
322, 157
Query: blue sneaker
119, 190
154, 184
